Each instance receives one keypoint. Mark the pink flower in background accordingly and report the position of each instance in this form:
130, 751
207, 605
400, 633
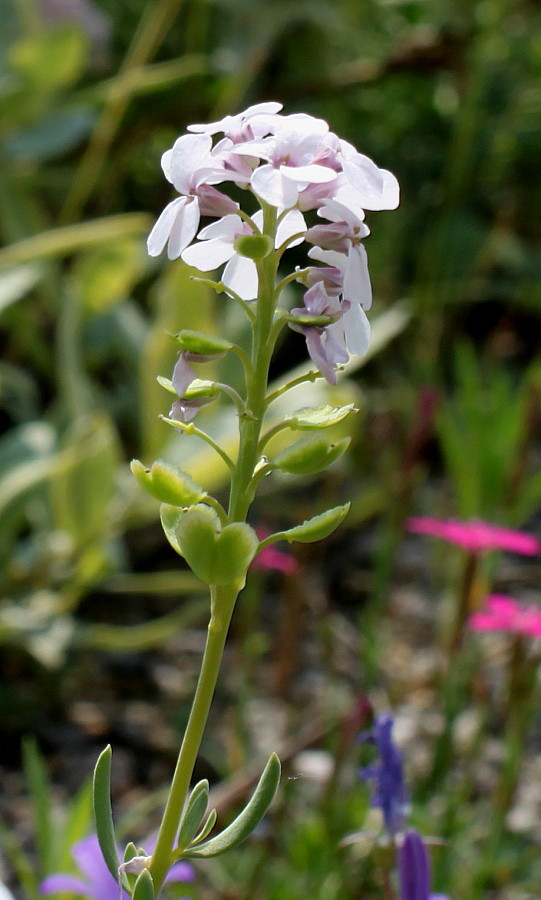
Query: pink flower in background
476, 536
506, 614
272, 559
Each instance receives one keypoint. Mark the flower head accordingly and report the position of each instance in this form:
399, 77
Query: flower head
506, 614
476, 536
96, 881
387, 775
414, 869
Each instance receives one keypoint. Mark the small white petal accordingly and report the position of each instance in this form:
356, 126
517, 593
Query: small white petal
240, 274
312, 174
268, 184
208, 255
357, 330
292, 223
227, 228
189, 154
159, 235
357, 287
184, 227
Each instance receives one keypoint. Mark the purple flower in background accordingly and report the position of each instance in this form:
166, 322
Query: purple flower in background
387, 775
97, 881
414, 869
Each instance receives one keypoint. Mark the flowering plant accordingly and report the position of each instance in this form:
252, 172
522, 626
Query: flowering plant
290, 166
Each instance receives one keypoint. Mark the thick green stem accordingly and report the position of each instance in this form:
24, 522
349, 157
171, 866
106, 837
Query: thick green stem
224, 598
256, 403
223, 602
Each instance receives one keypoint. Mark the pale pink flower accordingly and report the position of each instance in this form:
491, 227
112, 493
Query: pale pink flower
217, 246
357, 292
191, 169
506, 614
252, 123
476, 536
326, 343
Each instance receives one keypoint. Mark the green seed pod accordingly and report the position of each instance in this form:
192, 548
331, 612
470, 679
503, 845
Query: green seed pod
311, 455
254, 246
216, 555
167, 483
200, 343
312, 419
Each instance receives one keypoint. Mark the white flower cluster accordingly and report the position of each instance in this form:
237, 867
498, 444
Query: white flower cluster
295, 164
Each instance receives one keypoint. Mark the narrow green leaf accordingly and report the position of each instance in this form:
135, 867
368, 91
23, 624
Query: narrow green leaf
103, 813
314, 529
195, 810
40, 792
144, 887
207, 827
248, 819
78, 824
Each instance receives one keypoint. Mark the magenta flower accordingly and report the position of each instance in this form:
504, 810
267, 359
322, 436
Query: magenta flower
506, 614
96, 881
476, 536
272, 559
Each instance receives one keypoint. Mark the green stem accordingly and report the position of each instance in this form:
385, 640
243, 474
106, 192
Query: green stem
223, 602
256, 385
223, 598
190, 428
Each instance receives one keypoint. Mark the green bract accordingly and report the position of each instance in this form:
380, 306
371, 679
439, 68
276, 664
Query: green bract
254, 246
310, 455
167, 483
320, 417
314, 529
200, 343
144, 887
216, 555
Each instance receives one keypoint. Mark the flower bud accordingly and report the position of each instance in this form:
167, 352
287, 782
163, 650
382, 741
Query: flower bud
254, 246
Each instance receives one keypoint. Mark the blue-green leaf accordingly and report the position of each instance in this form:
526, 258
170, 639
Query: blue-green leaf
144, 887
248, 819
103, 813
195, 810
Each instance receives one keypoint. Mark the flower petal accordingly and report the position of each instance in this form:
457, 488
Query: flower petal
208, 255
357, 287
184, 227
357, 330
267, 182
66, 884
240, 274
161, 231
292, 223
